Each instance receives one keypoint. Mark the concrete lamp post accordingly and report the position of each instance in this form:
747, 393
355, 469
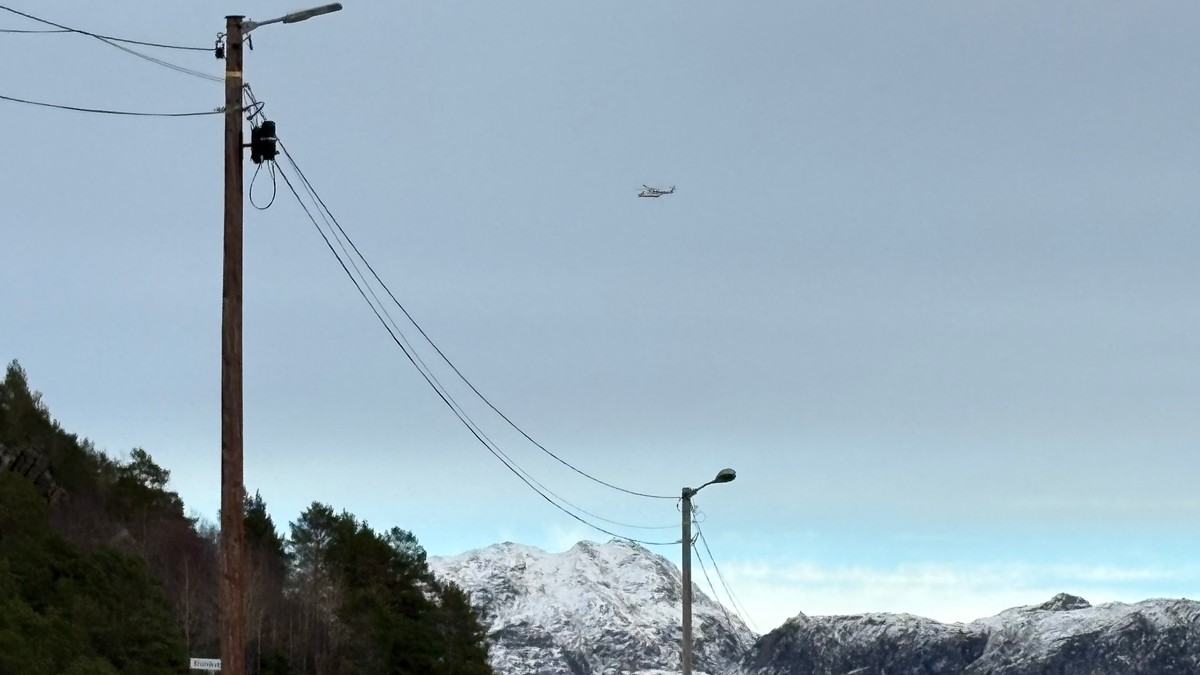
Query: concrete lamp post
723, 476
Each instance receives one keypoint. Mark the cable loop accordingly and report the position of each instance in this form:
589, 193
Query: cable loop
274, 187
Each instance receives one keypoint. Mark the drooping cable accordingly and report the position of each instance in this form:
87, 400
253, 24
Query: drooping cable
716, 598
166, 64
342, 238
737, 604
433, 380
504, 459
115, 43
102, 111
34, 31
448, 362
256, 108
59, 28
274, 186
431, 377
252, 104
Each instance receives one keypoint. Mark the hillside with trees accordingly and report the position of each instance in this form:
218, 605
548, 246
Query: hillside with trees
102, 572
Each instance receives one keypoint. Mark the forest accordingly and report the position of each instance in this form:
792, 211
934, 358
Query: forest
101, 572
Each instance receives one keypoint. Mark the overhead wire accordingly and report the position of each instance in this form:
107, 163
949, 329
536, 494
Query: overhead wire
256, 110
104, 111
59, 28
34, 31
733, 599
432, 378
165, 64
447, 399
716, 598
449, 362
255, 103
381, 312
256, 107
115, 42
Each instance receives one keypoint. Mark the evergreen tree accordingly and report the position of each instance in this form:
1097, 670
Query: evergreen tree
115, 579
266, 574
463, 638
62, 610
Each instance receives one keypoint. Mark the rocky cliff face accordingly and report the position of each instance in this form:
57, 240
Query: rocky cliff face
33, 466
597, 608
1065, 636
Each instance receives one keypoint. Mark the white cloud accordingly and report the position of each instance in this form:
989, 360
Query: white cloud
559, 537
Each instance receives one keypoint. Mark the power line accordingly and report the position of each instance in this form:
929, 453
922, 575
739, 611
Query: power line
113, 42
431, 377
446, 359
65, 29
165, 64
428, 372
470, 426
482, 438
342, 238
33, 32
103, 111
712, 588
737, 605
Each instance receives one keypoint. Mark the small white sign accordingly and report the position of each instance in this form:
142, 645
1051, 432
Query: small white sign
206, 664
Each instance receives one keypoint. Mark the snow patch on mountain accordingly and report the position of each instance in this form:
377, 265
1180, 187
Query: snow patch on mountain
1115, 633
609, 608
1063, 635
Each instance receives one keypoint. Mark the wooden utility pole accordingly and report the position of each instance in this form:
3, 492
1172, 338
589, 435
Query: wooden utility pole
233, 534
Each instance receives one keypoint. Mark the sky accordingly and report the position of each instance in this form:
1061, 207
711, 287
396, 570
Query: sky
927, 282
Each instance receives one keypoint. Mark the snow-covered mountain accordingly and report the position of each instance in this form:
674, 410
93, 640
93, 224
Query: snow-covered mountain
614, 609
596, 609
1065, 636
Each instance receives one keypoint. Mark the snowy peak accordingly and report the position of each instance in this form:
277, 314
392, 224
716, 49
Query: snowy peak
1115, 637
1064, 602
596, 608
613, 578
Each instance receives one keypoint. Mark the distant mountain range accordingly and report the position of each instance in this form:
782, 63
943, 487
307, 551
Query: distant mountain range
1064, 636
614, 609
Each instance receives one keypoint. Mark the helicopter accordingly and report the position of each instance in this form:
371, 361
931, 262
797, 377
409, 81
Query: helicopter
655, 192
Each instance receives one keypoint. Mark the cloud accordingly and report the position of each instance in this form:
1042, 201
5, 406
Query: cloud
559, 537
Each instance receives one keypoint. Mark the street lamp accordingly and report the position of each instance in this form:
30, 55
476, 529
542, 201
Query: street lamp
723, 476
294, 17
233, 535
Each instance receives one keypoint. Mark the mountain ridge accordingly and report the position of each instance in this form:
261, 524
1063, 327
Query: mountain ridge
614, 609
1065, 634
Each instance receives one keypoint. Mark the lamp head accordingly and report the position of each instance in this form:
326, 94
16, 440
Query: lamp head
310, 13
725, 475
294, 17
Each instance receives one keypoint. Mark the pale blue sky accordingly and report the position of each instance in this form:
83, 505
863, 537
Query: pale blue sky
928, 282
